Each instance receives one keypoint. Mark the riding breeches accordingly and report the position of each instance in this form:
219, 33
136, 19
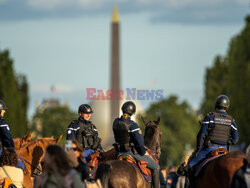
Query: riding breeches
151, 163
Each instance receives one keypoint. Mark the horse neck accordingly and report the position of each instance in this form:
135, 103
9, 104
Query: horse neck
151, 142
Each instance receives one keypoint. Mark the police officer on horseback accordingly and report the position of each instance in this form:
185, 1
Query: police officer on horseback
84, 131
5, 135
218, 130
129, 140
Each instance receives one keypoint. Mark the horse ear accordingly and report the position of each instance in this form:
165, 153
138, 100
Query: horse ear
58, 139
143, 120
158, 121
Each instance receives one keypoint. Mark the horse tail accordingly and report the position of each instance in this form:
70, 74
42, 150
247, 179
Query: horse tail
103, 173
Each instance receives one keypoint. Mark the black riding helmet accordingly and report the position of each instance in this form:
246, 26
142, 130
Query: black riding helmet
85, 108
129, 108
2, 106
222, 102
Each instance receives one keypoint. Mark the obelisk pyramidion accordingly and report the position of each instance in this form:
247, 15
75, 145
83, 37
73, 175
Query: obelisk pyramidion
115, 61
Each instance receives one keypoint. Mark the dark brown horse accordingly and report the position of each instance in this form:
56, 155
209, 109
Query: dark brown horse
218, 173
32, 154
122, 174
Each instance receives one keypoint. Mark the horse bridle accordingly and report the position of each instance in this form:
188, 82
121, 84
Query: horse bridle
36, 168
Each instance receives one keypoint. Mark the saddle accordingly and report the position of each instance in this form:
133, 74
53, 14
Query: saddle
210, 156
96, 157
140, 165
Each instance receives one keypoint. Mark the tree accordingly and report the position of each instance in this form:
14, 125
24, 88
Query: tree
179, 127
231, 76
53, 121
14, 92
239, 80
216, 83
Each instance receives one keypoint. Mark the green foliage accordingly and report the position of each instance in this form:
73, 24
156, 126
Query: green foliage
216, 80
54, 121
231, 76
239, 80
14, 92
179, 128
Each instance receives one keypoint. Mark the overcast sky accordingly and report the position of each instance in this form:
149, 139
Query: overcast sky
165, 44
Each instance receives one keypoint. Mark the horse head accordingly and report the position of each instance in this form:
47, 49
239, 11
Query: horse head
152, 136
33, 153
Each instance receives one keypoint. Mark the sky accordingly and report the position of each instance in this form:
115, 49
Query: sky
165, 44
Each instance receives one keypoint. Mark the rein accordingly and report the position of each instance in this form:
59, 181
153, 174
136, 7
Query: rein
36, 168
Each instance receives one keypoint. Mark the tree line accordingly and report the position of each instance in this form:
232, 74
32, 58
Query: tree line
229, 74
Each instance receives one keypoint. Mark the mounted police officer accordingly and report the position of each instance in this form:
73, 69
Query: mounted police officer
218, 130
5, 135
84, 131
129, 140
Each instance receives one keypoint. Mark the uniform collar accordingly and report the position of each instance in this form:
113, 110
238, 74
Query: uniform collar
220, 111
83, 121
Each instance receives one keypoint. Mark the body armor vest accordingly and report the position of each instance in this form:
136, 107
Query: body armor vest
87, 137
221, 132
122, 138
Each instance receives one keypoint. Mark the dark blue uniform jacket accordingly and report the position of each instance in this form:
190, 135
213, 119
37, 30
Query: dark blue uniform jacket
208, 122
73, 128
5, 135
136, 137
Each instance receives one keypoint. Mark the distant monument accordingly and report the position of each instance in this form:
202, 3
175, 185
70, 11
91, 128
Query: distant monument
105, 111
115, 63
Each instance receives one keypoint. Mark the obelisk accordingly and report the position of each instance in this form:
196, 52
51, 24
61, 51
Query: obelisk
115, 61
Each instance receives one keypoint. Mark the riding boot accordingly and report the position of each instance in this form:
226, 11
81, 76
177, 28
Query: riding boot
188, 180
156, 178
182, 170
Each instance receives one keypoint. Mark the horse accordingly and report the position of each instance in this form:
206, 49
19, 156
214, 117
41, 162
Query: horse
116, 173
219, 172
32, 155
19, 142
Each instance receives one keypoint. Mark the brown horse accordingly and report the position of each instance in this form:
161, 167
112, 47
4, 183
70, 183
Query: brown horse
122, 174
32, 154
218, 173
19, 142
